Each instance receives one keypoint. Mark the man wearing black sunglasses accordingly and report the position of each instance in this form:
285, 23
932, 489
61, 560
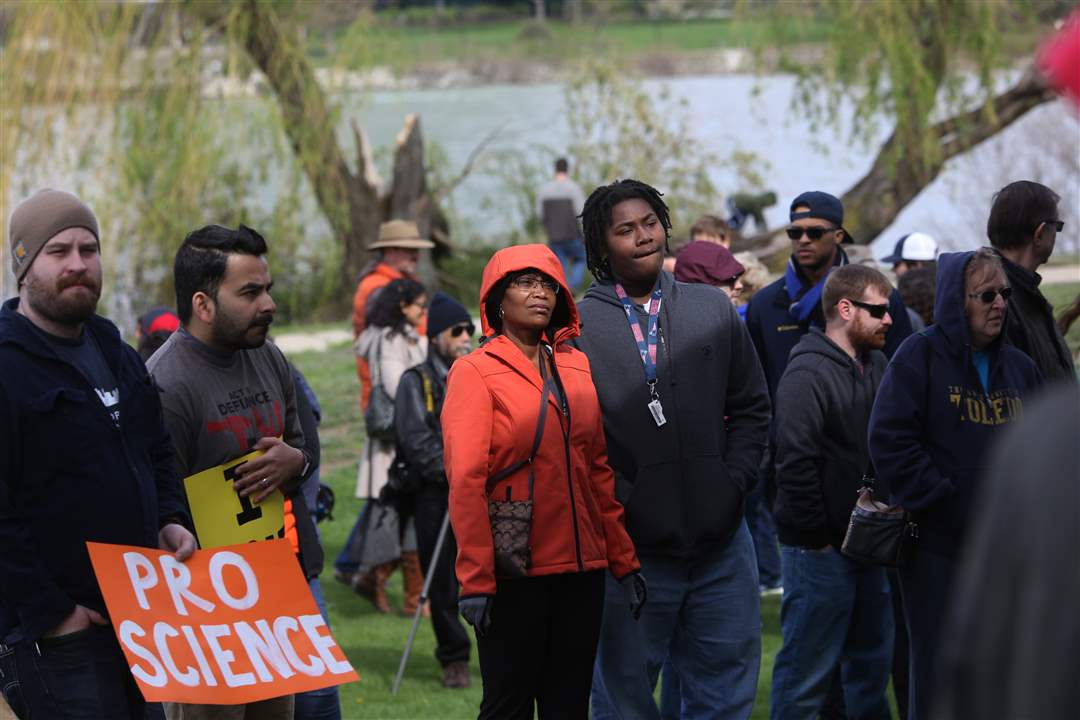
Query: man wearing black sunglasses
1023, 227
417, 406
836, 613
782, 312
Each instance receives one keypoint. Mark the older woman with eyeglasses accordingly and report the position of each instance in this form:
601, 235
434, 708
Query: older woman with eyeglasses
942, 403
532, 498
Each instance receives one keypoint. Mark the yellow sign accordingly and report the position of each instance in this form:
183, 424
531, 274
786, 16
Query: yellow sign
222, 517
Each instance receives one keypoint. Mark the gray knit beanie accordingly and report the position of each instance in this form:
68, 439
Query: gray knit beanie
39, 218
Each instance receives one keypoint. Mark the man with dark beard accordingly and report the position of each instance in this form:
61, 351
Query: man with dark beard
84, 457
227, 392
835, 613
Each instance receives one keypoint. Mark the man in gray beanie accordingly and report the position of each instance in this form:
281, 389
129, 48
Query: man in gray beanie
85, 457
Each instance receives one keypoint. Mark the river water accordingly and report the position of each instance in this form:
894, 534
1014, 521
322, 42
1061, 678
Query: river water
750, 114
727, 113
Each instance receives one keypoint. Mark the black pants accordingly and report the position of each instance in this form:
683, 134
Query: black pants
81, 676
452, 641
900, 648
541, 646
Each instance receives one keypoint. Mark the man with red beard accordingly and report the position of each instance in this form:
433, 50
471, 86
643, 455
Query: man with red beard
835, 613
84, 457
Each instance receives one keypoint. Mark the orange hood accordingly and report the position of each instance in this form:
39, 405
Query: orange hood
524, 257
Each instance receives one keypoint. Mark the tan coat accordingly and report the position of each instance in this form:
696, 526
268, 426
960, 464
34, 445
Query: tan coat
397, 354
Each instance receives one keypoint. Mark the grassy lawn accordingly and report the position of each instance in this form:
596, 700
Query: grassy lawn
1059, 296
374, 642
405, 47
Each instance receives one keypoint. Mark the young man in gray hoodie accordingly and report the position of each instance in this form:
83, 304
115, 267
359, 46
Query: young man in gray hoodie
686, 416
835, 613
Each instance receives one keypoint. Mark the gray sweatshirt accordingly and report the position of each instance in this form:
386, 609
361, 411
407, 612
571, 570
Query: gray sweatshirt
218, 405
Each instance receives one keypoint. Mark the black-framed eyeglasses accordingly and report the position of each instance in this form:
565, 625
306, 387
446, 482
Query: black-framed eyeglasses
463, 328
876, 311
1058, 225
528, 283
987, 296
813, 233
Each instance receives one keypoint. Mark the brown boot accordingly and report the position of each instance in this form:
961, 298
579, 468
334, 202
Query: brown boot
414, 583
373, 587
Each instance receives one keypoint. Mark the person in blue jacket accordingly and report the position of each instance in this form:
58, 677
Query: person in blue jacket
944, 399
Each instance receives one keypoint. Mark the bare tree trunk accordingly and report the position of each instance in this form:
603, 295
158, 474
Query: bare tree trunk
348, 201
539, 13
410, 198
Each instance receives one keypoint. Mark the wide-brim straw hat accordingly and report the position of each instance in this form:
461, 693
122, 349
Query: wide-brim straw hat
400, 234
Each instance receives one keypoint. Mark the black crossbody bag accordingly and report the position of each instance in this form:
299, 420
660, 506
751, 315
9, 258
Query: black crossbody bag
877, 533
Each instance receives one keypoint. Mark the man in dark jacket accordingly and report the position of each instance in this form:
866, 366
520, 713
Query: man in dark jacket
417, 406
782, 312
835, 613
686, 414
946, 395
1023, 226
84, 457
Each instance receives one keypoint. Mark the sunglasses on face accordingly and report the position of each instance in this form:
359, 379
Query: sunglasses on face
529, 283
458, 329
876, 311
1058, 225
987, 296
812, 233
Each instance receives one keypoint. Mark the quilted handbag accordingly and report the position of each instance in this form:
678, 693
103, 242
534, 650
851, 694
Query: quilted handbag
511, 520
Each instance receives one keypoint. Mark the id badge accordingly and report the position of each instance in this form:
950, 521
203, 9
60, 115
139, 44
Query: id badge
657, 412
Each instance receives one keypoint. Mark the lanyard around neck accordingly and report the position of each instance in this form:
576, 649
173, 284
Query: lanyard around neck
646, 345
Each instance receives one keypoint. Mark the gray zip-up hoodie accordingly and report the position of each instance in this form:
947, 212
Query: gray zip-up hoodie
823, 406
682, 484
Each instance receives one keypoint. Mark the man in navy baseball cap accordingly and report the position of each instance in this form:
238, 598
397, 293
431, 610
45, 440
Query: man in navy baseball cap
782, 312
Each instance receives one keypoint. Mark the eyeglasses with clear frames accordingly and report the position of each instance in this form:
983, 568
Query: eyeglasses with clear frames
529, 283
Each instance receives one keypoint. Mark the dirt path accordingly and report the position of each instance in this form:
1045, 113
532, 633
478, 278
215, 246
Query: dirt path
315, 341
1060, 274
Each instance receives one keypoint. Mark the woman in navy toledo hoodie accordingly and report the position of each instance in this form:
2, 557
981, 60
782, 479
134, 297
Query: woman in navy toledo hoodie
944, 397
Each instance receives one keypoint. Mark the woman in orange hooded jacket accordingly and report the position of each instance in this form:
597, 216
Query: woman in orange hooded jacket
537, 622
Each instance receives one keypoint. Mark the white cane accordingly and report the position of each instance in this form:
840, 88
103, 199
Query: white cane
420, 605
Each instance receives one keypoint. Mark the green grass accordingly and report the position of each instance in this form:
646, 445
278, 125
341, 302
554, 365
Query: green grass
405, 47
1060, 295
374, 642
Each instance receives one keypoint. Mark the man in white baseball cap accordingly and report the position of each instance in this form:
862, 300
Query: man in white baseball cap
913, 250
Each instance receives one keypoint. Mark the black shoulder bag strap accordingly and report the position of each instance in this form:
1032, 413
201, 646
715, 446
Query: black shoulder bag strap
535, 446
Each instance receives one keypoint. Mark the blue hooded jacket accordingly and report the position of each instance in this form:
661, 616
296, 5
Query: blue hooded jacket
933, 424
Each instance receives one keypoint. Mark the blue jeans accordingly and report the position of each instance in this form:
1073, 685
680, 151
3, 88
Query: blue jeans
763, 530
704, 616
571, 254
344, 561
835, 612
321, 704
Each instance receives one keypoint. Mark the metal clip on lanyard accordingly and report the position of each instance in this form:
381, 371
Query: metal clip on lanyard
646, 347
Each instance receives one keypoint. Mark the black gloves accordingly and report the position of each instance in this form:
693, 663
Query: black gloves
637, 592
477, 612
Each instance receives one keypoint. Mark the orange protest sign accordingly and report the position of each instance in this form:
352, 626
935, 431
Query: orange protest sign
231, 625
